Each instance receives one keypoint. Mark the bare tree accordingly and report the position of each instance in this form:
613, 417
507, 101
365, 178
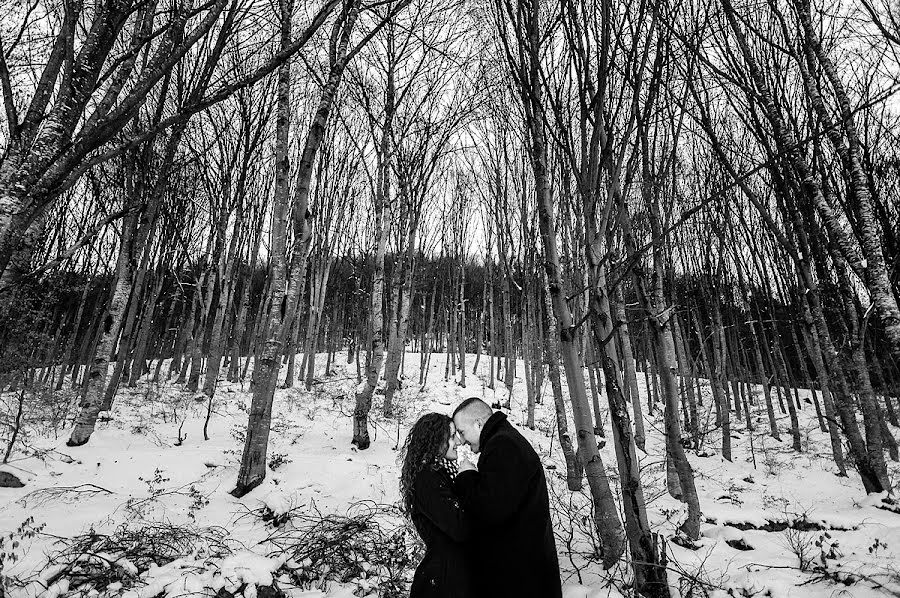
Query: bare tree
520, 33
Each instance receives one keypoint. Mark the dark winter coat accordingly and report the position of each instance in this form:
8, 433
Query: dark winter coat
507, 499
446, 569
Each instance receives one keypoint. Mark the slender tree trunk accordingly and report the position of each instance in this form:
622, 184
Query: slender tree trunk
659, 318
492, 329
122, 349
428, 336
686, 369
528, 354
206, 299
316, 322
479, 326
781, 368
226, 288
461, 329
606, 518
594, 382
630, 370
764, 381
112, 322
574, 466
167, 336
397, 339
509, 364
538, 343
815, 353
70, 356
717, 377
142, 345
802, 352
268, 360
185, 336
240, 323
376, 313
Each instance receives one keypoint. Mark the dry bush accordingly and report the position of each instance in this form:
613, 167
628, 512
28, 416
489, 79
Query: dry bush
802, 545
372, 546
94, 561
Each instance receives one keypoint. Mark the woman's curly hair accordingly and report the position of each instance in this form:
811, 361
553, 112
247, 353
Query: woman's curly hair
426, 442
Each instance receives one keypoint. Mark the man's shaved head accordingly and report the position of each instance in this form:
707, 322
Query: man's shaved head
470, 418
473, 407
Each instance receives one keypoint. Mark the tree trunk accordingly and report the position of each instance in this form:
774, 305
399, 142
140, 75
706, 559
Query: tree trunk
206, 299
376, 309
112, 322
693, 421
122, 349
142, 345
803, 352
265, 376
609, 527
70, 357
868, 404
781, 369
240, 323
397, 339
226, 274
479, 326
509, 364
574, 467
717, 377
461, 329
316, 321
629, 369
185, 335
530, 362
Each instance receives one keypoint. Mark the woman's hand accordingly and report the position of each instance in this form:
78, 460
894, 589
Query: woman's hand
466, 465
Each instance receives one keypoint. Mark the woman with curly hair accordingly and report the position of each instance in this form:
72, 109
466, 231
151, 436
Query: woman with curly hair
426, 479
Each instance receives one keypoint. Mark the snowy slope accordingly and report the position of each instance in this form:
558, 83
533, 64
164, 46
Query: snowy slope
134, 471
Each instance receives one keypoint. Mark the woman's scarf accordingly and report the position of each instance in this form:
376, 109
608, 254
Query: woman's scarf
448, 465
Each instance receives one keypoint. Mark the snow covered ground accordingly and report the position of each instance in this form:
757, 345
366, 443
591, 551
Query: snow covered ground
147, 473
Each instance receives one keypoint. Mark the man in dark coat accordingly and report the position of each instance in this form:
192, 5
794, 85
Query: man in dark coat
507, 499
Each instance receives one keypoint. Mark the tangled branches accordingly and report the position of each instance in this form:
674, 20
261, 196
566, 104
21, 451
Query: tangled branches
372, 547
573, 523
95, 561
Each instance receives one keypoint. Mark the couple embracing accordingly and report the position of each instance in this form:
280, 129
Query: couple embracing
486, 529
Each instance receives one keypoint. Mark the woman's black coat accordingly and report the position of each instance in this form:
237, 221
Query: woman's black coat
507, 498
446, 570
